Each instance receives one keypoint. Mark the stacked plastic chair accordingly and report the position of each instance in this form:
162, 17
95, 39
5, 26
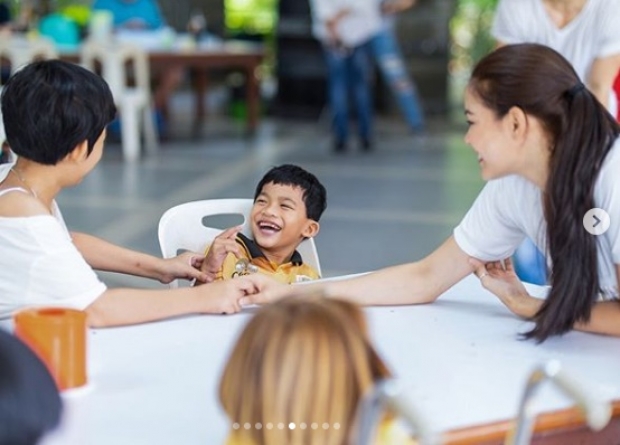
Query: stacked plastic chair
134, 101
19, 50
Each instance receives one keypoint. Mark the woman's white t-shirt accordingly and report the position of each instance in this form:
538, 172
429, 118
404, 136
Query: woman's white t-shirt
592, 34
509, 209
40, 265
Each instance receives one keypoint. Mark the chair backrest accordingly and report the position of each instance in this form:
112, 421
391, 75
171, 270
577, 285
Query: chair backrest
388, 394
596, 409
133, 101
182, 228
114, 56
19, 51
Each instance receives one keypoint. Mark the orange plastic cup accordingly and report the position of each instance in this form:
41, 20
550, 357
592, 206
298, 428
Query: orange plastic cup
58, 337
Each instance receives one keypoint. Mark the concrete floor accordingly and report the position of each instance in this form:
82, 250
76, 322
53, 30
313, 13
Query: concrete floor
392, 205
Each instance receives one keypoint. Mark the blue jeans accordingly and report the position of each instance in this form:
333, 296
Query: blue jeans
384, 49
349, 70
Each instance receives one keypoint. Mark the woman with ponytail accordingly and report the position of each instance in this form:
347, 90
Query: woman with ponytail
550, 152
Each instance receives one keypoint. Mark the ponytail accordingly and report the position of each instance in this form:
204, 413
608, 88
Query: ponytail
543, 84
589, 132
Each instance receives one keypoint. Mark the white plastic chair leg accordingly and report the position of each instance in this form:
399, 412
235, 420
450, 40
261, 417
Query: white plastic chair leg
130, 133
151, 139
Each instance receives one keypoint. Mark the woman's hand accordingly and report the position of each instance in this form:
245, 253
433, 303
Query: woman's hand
222, 297
266, 289
229, 296
499, 278
184, 266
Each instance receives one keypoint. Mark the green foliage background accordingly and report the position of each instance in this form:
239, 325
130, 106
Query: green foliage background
470, 28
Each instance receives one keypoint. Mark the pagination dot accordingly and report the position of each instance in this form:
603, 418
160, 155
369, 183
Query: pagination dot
291, 426
235, 426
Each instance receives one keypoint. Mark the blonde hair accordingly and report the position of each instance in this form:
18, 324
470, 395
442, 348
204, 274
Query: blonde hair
304, 360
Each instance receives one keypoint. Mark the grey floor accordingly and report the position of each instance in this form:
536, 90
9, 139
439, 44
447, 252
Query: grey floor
392, 205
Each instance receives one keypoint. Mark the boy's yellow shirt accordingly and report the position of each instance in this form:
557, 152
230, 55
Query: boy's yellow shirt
294, 271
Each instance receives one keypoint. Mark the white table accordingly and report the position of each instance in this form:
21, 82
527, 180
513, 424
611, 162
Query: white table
460, 360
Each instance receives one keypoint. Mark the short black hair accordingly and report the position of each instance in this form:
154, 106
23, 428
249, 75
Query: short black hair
49, 107
30, 404
314, 193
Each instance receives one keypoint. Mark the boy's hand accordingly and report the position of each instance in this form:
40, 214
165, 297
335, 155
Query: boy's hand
222, 245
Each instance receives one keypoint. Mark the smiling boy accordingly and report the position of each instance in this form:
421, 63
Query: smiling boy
288, 204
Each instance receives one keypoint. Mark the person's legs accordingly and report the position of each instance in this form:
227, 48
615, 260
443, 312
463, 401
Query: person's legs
385, 50
337, 95
359, 76
168, 79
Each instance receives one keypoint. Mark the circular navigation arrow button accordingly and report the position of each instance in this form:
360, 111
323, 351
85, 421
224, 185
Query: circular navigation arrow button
596, 221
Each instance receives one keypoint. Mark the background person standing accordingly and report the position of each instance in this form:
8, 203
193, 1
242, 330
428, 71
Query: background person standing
344, 28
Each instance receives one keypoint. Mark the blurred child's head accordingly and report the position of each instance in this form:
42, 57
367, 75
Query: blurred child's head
29, 402
50, 107
288, 204
305, 361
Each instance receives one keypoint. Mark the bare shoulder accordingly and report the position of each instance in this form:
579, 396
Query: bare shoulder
17, 203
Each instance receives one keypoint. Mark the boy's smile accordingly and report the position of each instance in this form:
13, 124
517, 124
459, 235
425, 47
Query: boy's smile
279, 221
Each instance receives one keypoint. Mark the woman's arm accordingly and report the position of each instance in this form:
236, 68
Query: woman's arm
605, 316
501, 280
103, 255
601, 77
604, 319
412, 283
131, 306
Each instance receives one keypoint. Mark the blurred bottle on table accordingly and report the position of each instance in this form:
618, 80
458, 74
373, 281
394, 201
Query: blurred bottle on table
197, 24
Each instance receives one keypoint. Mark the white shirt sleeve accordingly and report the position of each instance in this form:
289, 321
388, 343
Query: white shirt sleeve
489, 230
610, 29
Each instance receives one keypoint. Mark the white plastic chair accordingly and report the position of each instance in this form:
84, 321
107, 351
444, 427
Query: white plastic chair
596, 410
388, 393
182, 228
134, 102
19, 51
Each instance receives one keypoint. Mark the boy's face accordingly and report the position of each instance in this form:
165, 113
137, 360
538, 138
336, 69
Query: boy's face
278, 219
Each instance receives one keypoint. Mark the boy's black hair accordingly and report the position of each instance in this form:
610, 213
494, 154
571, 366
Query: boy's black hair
314, 194
50, 107
29, 402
